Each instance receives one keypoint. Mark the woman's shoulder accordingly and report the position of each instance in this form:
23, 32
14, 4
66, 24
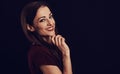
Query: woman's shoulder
37, 49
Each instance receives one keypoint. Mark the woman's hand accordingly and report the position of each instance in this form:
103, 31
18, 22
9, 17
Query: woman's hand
59, 41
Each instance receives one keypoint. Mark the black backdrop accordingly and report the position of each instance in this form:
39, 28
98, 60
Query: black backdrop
86, 25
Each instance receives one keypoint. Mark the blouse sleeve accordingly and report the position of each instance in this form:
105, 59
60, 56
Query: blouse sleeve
44, 58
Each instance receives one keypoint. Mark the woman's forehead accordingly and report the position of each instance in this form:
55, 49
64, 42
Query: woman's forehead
43, 11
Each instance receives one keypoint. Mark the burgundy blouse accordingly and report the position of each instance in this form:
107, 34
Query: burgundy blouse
40, 55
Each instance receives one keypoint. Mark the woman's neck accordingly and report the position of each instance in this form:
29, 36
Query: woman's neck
47, 39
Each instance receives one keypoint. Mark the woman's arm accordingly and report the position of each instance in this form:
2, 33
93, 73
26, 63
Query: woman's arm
50, 69
59, 41
67, 68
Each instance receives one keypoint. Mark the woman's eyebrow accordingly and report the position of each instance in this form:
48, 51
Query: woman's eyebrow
44, 16
41, 17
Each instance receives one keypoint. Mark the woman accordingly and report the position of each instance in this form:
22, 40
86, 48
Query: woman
48, 54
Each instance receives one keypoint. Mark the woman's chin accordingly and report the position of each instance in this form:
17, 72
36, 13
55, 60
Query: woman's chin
52, 35
48, 34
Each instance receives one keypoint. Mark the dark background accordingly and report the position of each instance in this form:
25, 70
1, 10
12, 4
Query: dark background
89, 26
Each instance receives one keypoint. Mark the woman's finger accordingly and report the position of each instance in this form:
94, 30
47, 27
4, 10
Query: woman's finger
53, 39
56, 40
62, 41
59, 40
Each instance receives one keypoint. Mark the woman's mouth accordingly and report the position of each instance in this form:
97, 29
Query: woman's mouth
50, 28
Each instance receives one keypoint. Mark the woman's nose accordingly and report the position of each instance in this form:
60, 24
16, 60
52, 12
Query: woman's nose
50, 22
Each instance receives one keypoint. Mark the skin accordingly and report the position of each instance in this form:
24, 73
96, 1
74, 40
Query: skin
44, 24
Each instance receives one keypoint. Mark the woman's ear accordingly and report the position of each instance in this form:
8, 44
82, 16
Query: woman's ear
30, 28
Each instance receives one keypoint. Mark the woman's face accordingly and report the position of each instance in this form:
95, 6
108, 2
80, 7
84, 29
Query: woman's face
44, 22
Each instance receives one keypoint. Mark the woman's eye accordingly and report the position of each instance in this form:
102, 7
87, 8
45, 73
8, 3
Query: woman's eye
42, 20
51, 16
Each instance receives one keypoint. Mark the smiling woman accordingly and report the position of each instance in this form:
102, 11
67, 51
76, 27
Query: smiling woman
49, 53
44, 22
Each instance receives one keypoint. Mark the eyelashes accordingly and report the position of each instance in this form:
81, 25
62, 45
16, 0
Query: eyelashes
44, 19
51, 16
